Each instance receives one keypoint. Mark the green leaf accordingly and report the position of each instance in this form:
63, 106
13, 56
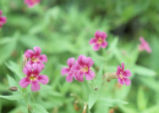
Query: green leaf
141, 99
12, 97
144, 71
38, 109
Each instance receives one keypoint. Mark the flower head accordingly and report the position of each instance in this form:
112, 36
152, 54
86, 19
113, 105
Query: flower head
35, 56
79, 69
99, 40
123, 75
83, 68
144, 45
2, 19
33, 77
69, 70
31, 3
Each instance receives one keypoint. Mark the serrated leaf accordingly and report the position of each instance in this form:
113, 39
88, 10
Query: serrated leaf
144, 71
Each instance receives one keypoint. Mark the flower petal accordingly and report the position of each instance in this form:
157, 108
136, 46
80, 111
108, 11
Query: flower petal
35, 86
92, 41
122, 66
36, 68
69, 78
24, 82
70, 62
90, 75
120, 81
127, 81
28, 53
104, 44
43, 58
64, 71
37, 51
96, 47
118, 70
79, 76
97, 34
127, 73
43, 79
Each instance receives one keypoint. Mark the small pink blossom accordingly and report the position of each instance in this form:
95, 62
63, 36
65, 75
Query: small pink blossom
99, 40
31, 3
83, 68
2, 19
69, 70
144, 45
79, 69
33, 77
123, 75
35, 56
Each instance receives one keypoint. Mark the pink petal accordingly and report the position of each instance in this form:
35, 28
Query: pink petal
96, 47
127, 73
24, 82
89, 62
79, 76
35, 86
37, 51
29, 53
120, 81
70, 62
69, 78
122, 66
36, 68
90, 75
3, 19
127, 81
92, 41
43, 79
43, 58
104, 44
118, 70
81, 59
27, 69
97, 34
64, 71
103, 35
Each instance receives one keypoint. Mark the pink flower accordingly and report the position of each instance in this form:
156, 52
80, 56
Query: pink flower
2, 19
31, 3
99, 40
144, 45
123, 75
33, 77
78, 69
83, 68
69, 70
35, 56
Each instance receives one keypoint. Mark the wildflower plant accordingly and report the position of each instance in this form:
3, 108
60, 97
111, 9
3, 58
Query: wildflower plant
98, 80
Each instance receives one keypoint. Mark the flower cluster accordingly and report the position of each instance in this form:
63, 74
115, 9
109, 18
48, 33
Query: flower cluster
123, 75
79, 69
31, 3
99, 40
144, 45
2, 19
33, 67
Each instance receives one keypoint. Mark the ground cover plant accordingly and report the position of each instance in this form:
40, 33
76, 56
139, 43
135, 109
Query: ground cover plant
82, 56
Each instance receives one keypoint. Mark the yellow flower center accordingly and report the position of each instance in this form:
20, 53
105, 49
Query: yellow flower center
84, 69
100, 41
32, 78
35, 59
121, 76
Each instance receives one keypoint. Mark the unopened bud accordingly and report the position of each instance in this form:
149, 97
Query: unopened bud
13, 88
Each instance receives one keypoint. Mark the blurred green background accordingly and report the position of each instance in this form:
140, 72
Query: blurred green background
63, 28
